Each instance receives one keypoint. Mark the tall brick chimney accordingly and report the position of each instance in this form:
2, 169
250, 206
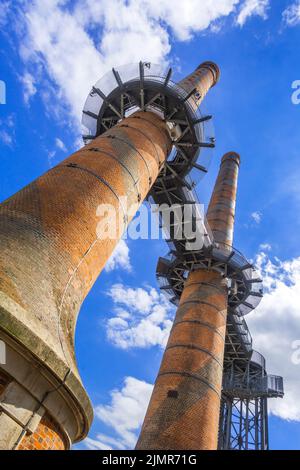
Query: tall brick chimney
50, 256
183, 412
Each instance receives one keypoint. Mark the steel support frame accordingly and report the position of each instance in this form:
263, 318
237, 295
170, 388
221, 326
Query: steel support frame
243, 424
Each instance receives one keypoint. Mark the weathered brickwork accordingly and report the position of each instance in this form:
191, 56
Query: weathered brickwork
48, 436
49, 228
201, 80
183, 412
51, 254
221, 210
191, 367
50, 249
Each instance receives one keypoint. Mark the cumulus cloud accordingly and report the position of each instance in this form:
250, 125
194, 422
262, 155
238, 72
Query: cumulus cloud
142, 317
52, 154
6, 138
124, 415
188, 17
265, 247
252, 8
4, 10
7, 131
29, 88
275, 328
291, 15
77, 44
59, 144
119, 258
256, 216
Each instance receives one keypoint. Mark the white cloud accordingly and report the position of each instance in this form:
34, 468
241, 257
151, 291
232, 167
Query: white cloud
275, 326
4, 10
52, 154
276, 332
143, 317
265, 247
7, 132
61, 40
291, 15
28, 82
124, 415
77, 45
6, 138
51, 157
59, 144
119, 258
138, 298
256, 216
78, 144
185, 18
10, 121
251, 8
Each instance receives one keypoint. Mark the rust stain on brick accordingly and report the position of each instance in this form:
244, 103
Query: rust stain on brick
192, 365
193, 360
201, 80
49, 250
221, 209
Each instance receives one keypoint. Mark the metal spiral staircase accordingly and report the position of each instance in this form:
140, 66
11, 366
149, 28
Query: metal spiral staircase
246, 384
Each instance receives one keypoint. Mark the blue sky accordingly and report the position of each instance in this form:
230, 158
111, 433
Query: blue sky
51, 52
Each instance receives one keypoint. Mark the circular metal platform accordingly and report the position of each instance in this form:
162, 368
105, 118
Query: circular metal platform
148, 87
245, 287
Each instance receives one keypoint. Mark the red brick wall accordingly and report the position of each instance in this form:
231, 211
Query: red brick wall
183, 412
221, 209
48, 436
49, 228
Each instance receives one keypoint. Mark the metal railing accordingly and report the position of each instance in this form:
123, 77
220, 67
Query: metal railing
274, 384
242, 329
258, 359
269, 386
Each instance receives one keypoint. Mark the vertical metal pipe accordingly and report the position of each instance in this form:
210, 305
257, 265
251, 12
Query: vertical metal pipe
256, 425
247, 425
267, 447
240, 439
222, 423
264, 423
228, 423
